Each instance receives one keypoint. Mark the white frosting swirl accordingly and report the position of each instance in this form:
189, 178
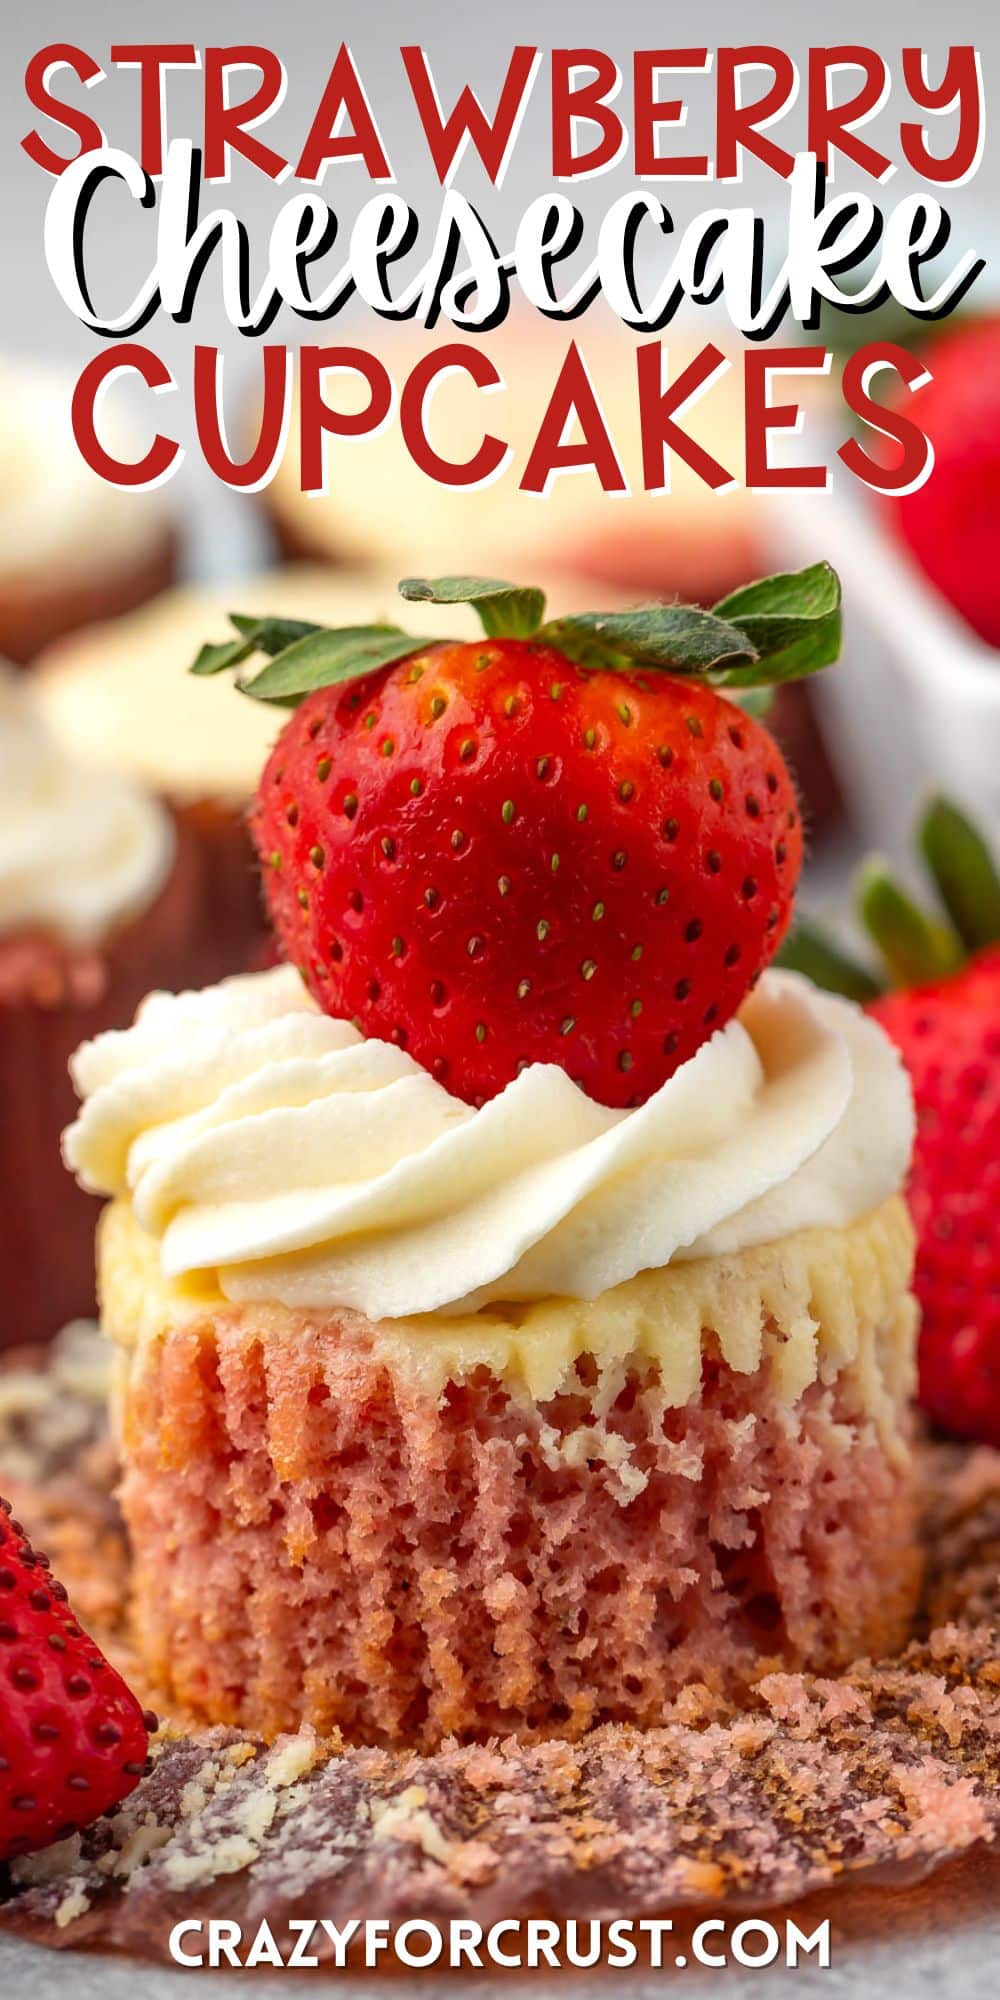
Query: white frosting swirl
81, 849
264, 1143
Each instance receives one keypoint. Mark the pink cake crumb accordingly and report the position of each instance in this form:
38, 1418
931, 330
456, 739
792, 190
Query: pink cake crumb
318, 1542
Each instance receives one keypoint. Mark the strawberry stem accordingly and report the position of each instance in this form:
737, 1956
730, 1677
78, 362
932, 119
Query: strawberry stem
504, 610
916, 946
963, 871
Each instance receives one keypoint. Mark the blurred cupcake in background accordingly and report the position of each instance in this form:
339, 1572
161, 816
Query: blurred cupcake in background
382, 512
73, 549
122, 695
98, 901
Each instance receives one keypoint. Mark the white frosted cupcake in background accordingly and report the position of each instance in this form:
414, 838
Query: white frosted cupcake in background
382, 511
73, 548
98, 896
121, 692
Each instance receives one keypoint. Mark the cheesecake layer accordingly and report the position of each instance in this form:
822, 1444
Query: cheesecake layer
804, 1309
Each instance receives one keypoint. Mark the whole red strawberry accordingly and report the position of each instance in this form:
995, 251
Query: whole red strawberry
560, 844
494, 857
947, 1028
73, 1739
952, 522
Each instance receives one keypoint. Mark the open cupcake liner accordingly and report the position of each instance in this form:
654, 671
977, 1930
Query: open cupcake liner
875, 1776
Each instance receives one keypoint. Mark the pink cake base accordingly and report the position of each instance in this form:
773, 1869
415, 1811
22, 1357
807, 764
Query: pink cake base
871, 1779
316, 1541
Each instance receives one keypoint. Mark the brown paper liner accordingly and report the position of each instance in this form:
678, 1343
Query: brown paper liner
205, 923
236, 932
35, 610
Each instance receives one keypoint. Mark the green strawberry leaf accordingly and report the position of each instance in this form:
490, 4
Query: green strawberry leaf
963, 871
272, 635
771, 631
809, 950
257, 635
766, 633
793, 623
326, 658
675, 637
755, 701
505, 610
916, 947
215, 659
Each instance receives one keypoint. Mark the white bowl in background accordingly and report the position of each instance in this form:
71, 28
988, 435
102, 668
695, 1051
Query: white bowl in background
914, 702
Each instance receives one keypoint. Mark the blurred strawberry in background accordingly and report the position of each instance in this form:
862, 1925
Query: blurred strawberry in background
937, 995
951, 524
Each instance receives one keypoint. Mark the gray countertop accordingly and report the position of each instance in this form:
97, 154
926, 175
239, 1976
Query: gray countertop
940, 1937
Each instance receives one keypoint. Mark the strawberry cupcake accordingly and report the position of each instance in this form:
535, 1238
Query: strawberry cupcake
98, 896
73, 549
511, 1293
